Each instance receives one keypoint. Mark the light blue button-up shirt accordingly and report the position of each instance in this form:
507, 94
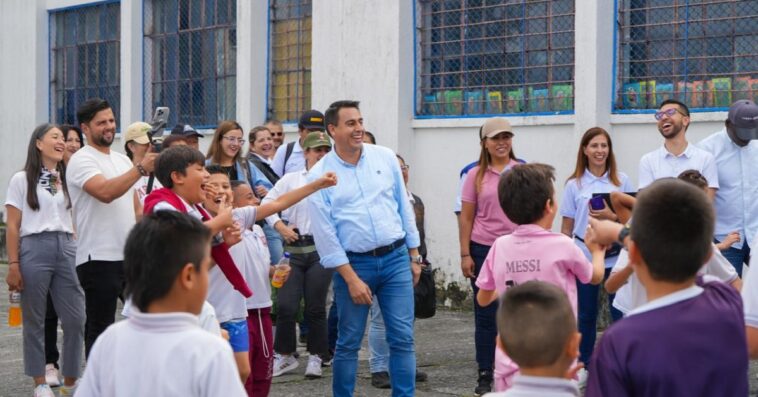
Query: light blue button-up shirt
575, 204
367, 209
737, 197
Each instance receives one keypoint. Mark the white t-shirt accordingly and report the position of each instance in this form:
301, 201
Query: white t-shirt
257, 265
228, 302
101, 228
52, 216
750, 291
206, 318
160, 355
661, 163
633, 295
141, 187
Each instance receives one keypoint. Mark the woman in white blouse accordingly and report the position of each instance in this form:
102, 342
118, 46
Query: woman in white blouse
307, 279
41, 253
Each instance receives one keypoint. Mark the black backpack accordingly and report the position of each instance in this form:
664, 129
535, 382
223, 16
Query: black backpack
425, 294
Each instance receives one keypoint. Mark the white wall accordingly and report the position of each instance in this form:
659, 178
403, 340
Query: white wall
361, 50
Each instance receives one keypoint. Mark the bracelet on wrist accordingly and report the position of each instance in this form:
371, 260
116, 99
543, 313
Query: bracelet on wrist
465, 255
141, 170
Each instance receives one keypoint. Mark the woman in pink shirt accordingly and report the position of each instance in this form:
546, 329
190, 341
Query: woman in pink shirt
595, 172
482, 221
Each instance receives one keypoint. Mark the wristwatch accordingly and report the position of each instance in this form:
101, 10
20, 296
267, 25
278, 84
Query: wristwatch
417, 259
623, 233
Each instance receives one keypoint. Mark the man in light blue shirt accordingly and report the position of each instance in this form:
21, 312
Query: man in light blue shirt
365, 228
737, 198
289, 158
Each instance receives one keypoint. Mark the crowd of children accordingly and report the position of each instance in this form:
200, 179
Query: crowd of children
197, 273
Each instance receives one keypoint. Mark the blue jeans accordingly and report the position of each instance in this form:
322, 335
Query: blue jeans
275, 243
737, 257
485, 321
587, 302
390, 280
331, 323
378, 360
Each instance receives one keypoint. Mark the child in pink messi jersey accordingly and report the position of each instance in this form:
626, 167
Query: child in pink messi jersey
533, 251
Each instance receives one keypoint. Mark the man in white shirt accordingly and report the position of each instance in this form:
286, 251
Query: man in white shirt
101, 185
737, 198
277, 131
676, 154
289, 157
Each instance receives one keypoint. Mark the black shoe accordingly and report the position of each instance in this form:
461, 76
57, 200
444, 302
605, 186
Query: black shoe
484, 382
380, 380
420, 376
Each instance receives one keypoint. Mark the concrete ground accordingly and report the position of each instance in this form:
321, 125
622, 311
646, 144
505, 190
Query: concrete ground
444, 344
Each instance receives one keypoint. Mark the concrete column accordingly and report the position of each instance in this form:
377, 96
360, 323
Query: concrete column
593, 64
363, 50
131, 72
252, 62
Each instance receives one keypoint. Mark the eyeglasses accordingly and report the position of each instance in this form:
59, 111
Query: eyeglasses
667, 112
232, 139
405, 167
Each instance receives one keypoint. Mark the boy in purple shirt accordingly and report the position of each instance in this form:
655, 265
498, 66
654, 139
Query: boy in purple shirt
532, 251
689, 338
537, 327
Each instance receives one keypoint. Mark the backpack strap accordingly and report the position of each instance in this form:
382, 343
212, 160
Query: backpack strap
287, 154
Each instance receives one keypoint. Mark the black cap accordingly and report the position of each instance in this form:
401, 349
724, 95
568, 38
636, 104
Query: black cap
185, 130
743, 115
312, 120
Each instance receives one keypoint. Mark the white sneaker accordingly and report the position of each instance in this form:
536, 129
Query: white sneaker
284, 364
313, 370
51, 376
43, 391
583, 374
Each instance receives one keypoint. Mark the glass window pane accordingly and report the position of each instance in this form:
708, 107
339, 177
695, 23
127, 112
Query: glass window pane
290, 51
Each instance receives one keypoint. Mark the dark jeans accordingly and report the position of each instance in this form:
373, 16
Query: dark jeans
103, 283
587, 302
51, 334
485, 324
310, 278
737, 257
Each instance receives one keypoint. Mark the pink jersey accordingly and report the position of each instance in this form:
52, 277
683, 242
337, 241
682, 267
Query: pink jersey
531, 253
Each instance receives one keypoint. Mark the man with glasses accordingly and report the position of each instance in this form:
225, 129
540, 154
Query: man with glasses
289, 157
676, 154
736, 201
277, 131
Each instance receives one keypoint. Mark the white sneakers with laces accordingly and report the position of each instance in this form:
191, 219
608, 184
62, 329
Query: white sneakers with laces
313, 370
43, 390
52, 377
283, 364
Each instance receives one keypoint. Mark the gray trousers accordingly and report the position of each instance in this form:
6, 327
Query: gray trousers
48, 264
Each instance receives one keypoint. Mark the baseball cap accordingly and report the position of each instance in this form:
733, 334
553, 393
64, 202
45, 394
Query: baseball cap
495, 126
137, 132
316, 139
743, 115
312, 120
185, 130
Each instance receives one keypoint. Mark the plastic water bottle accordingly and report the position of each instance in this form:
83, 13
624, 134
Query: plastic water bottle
281, 271
14, 311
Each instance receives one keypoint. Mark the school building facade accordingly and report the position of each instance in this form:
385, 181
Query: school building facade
427, 73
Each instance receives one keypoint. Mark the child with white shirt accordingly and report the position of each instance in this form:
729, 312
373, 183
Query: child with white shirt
168, 353
537, 328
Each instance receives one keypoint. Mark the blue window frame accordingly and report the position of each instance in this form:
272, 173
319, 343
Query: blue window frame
702, 53
289, 80
84, 58
485, 57
190, 60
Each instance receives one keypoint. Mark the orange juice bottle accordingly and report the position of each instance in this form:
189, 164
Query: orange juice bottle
282, 269
14, 311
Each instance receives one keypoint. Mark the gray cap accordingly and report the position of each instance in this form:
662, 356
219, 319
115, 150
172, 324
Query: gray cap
743, 115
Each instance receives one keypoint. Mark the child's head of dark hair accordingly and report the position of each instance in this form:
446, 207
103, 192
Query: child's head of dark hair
535, 321
214, 169
176, 159
150, 268
694, 177
672, 228
524, 190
